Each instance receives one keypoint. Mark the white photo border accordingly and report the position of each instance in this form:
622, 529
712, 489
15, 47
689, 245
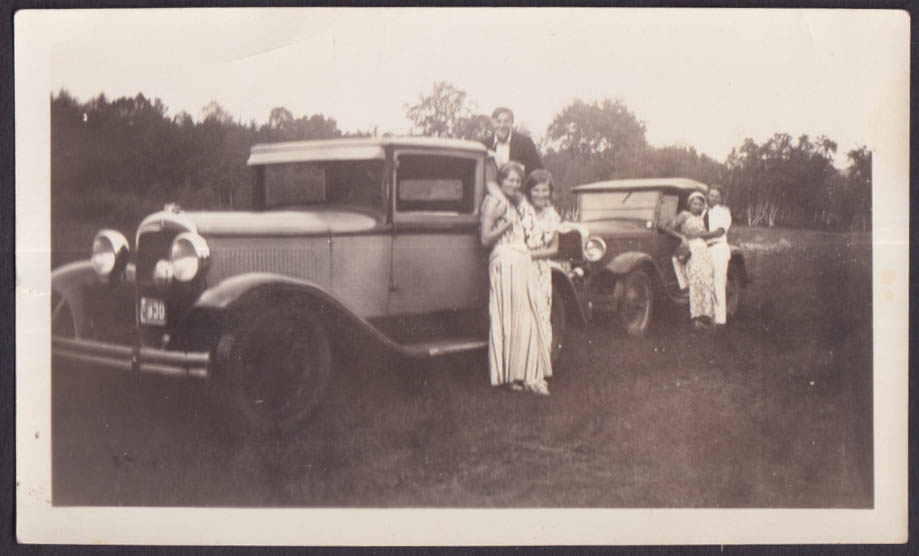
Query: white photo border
40, 522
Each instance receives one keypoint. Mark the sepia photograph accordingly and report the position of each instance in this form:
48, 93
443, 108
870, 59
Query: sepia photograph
481, 276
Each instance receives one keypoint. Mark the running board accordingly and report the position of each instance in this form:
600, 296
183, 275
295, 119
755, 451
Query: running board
443, 347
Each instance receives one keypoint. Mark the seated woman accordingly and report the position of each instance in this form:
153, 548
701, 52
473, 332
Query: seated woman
518, 353
688, 226
541, 223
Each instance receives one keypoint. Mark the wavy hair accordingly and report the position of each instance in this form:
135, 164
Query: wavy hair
536, 177
507, 168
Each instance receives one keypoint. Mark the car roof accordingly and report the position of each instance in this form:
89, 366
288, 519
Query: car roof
352, 148
683, 185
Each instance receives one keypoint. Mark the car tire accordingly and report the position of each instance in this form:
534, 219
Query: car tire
636, 306
732, 294
559, 319
276, 369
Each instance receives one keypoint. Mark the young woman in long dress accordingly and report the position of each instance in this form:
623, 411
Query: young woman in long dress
689, 227
518, 354
540, 224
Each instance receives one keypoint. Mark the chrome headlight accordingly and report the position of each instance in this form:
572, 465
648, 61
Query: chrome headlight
110, 253
189, 256
594, 249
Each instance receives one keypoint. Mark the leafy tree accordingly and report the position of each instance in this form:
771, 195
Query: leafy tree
214, 113
279, 118
607, 132
785, 181
858, 189
591, 142
445, 112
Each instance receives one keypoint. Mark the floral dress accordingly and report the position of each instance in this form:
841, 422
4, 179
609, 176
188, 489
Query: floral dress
699, 270
517, 347
540, 230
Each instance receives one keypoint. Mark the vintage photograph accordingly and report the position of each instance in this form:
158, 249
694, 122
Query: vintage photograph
467, 259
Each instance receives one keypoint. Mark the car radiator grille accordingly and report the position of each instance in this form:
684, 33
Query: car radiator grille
151, 247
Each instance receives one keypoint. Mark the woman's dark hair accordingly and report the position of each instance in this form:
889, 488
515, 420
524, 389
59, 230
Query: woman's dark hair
501, 110
537, 177
507, 168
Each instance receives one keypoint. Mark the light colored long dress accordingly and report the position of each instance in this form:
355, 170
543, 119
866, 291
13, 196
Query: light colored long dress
699, 270
540, 230
517, 350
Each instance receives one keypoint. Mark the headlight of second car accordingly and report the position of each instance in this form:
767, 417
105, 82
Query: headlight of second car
189, 256
110, 253
594, 249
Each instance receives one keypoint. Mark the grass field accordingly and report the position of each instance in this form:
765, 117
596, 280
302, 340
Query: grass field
773, 412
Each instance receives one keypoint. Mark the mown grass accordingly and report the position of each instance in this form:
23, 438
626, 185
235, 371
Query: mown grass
774, 412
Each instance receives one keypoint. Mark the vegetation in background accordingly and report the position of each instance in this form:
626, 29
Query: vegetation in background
113, 161
781, 182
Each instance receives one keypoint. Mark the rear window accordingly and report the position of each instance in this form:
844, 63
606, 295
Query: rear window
353, 184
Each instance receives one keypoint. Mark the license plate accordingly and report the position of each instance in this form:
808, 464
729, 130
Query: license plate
152, 311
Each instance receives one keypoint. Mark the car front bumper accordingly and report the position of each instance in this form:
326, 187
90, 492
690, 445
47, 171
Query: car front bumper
190, 364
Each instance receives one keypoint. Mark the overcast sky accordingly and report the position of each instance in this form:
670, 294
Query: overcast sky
695, 77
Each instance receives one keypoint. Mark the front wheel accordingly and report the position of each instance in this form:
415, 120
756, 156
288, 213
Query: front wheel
637, 303
278, 368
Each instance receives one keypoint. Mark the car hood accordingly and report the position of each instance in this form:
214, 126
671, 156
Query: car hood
279, 223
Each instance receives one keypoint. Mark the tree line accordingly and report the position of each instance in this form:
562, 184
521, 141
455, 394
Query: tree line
120, 159
783, 181
117, 160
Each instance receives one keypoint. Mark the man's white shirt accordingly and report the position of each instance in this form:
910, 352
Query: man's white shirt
502, 150
719, 217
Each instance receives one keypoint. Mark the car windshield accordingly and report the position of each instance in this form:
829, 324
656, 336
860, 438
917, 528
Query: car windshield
618, 205
339, 184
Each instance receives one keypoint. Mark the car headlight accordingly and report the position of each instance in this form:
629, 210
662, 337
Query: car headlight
110, 253
189, 256
594, 249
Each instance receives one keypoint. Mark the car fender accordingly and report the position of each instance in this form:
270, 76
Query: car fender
72, 277
77, 286
625, 262
564, 287
241, 292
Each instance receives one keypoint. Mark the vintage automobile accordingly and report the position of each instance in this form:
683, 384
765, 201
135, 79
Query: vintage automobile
374, 235
626, 258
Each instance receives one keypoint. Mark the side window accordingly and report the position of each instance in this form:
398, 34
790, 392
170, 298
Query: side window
435, 183
668, 209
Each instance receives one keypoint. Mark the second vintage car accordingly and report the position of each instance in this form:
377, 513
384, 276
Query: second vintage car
626, 258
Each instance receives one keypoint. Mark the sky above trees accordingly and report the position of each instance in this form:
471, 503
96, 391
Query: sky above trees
702, 78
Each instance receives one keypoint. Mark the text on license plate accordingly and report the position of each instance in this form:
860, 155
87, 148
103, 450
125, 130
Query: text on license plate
152, 311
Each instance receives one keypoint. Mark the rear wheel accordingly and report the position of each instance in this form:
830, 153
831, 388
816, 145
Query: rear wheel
637, 303
278, 368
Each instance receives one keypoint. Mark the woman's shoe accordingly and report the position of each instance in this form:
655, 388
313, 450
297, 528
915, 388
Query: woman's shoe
516, 386
540, 387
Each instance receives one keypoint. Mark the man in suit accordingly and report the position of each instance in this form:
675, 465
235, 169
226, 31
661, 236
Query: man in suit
509, 145
718, 218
